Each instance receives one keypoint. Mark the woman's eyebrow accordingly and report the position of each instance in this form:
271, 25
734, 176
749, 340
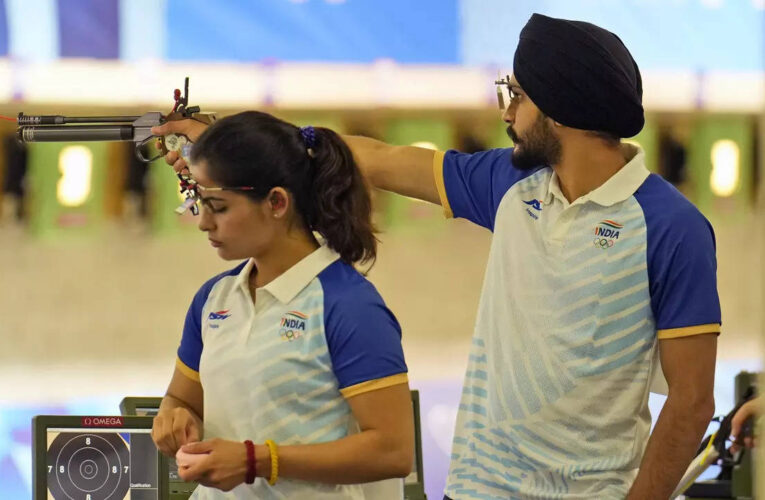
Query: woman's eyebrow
207, 199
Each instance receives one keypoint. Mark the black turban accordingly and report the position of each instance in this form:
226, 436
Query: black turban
580, 75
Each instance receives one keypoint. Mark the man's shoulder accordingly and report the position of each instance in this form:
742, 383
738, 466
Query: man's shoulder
663, 204
672, 221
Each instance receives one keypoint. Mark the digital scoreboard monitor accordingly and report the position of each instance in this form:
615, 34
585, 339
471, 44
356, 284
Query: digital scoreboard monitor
96, 458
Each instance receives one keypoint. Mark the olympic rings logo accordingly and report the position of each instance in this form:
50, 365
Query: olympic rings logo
290, 335
603, 243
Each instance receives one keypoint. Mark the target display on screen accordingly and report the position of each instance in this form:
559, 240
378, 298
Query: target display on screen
87, 462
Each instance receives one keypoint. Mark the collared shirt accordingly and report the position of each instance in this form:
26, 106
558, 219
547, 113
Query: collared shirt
575, 298
282, 367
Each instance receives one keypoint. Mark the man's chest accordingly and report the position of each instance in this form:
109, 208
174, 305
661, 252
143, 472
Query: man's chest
527, 227
550, 259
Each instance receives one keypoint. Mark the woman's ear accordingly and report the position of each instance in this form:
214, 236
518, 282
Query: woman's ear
278, 202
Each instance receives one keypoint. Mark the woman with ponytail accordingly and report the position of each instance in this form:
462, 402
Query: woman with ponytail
290, 381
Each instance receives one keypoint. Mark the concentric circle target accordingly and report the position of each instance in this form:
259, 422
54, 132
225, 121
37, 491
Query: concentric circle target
88, 466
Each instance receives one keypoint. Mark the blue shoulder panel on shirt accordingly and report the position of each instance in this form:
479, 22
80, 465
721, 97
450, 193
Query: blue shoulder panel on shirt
363, 336
190, 349
475, 183
682, 267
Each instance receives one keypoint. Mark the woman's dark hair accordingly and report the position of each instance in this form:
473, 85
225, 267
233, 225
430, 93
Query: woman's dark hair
259, 150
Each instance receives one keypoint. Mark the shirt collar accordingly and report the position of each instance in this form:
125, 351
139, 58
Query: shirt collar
618, 187
553, 190
286, 286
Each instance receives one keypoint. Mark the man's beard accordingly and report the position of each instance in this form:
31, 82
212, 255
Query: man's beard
539, 147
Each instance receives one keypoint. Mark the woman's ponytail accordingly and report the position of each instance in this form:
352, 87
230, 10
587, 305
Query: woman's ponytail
342, 208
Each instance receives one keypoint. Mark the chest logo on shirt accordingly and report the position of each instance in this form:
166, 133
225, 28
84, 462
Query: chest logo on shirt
217, 316
606, 234
292, 325
536, 205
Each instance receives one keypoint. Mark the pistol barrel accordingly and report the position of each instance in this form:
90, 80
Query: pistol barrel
76, 133
24, 120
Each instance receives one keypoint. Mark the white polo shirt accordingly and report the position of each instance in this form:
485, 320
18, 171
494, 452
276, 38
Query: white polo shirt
282, 368
575, 297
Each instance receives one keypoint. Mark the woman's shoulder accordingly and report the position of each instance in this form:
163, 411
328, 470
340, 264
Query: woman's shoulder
352, 303
341, 282
208, 285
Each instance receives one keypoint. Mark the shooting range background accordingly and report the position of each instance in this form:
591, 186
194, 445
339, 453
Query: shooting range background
92, 296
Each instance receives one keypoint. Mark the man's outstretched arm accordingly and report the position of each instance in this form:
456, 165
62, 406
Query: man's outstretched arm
406, 170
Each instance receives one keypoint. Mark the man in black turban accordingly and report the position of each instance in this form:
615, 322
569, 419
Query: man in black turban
575, 92
597, 269
578, 76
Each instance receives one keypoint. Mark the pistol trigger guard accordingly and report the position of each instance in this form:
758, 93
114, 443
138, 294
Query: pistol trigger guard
139, 151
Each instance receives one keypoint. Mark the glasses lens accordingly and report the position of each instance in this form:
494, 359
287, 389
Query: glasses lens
503, 96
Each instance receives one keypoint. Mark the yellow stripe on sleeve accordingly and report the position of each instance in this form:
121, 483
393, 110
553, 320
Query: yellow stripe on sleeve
438, 175
673, 333
189, 372
373, 385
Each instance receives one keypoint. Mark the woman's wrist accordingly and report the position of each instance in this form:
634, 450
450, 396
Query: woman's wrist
262, 461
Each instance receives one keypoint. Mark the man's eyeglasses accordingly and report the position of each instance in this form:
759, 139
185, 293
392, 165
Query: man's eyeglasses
504, 92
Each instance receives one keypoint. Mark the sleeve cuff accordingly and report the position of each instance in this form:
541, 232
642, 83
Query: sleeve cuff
687, 331
188, 372
373, 385
438, 175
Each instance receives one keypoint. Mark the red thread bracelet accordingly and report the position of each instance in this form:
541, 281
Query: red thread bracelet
250, 477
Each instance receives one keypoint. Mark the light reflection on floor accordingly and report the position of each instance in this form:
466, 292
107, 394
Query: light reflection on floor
60, 392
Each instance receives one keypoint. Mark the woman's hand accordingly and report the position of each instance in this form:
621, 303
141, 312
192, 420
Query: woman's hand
175, 427
224, 467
